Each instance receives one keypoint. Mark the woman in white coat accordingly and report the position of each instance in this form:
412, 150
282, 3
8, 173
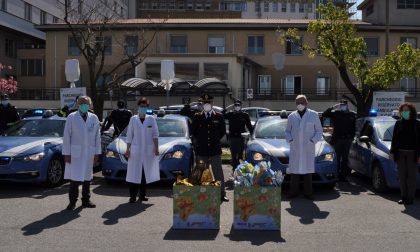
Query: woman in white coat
303, 131
142, 152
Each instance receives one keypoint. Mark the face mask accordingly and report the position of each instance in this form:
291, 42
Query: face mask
5, 103
142, 110
237, 108
207, 107
405, 115
343, 107
84, 108
301, 107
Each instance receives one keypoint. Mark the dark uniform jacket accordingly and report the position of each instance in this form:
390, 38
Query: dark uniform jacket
237, 123
344, 123
207, 133
8, 116
406, 136
120, 119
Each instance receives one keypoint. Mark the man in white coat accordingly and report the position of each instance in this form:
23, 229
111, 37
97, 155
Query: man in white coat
81, 149
303, 131
142, 152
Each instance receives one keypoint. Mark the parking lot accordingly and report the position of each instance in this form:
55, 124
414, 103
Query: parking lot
348, 218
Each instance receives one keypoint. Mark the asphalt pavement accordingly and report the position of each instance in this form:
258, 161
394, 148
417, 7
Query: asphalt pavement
348, 218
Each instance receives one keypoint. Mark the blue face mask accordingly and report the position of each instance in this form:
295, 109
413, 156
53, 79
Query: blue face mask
405, 115
142, 110
84, 108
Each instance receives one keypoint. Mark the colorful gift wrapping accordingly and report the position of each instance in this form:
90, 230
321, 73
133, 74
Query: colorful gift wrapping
196, 207
257, 197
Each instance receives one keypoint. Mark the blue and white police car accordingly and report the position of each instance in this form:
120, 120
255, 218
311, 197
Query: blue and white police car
369, 152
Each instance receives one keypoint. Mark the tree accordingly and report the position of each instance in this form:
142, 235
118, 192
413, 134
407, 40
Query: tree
336, 41
7, 86
89, 22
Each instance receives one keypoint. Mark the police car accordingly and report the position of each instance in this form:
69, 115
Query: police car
268, 143
369, 152
175, 148
30, 151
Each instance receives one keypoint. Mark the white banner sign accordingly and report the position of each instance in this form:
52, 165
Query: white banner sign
68, 96
386, 102
250, 93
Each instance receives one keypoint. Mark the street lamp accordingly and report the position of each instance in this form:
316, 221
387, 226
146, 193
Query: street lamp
167, 74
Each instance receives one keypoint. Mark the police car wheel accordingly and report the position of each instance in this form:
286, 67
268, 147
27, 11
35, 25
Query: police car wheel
378, 179
55, 172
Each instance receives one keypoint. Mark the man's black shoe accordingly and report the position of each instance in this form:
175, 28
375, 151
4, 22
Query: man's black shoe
88, 204
401, 202
132, 200
408, 202
292, 196
309, 197
71, 206
144, 198
225, 199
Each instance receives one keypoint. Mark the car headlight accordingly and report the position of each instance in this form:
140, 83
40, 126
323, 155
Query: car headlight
257, 156
34, 157
328, 157
175, 154
112, 154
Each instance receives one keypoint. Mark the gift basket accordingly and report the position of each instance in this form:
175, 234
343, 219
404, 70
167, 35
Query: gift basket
196, 200
257, 196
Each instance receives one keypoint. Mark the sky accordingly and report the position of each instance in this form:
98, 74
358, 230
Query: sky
358, 15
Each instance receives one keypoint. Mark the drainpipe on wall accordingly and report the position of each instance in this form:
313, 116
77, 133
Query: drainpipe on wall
387, 28
55, 64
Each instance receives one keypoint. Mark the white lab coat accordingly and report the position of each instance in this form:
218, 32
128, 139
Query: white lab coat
303, 133
82, 141
142, 153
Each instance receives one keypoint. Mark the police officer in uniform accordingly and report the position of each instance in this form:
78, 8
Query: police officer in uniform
208, 127
344, 123
8, 114
238, 120
119, 117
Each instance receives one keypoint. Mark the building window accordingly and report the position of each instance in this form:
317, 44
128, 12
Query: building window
255, 44
190, 5
264, 84
55, 20
10, 48
408, 4
275, 7
322, 85
283, 7
216, 44
32, 67
178, 44
131, 45
43, 17
207, 6
301, 7
408, 85
198, 6
105, 44
73, 49
310, 9
293, 85
187, 71
294, 47
153, 71
216, 70
292, 7
3, 5
28, 12
257, 6
266, 6
372, 46
410, 40
369, 10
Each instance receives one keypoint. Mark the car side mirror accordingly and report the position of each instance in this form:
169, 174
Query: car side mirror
364, 139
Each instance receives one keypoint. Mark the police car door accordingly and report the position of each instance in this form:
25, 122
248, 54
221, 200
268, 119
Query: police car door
364, 143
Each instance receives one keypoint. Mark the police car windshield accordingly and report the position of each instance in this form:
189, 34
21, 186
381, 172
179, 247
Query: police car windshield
37, 128
274, 128
385, 130
169, 128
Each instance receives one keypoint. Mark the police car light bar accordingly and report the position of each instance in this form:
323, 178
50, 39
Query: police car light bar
373, 112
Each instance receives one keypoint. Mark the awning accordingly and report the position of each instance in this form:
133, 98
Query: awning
138, 84
209, 83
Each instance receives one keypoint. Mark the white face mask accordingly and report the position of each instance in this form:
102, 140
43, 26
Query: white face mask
207, 107
343, 107
301, 107
237, 108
